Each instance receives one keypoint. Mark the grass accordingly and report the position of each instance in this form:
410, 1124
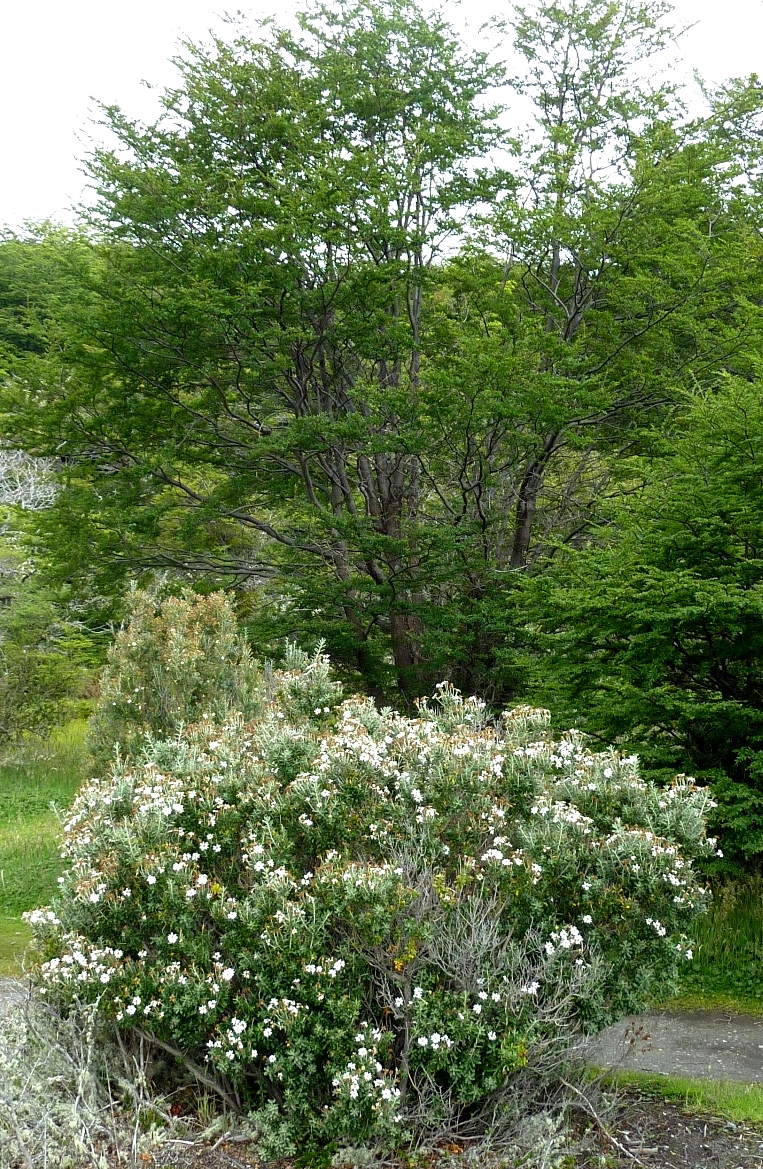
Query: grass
728, 1099
35, 779
726, 973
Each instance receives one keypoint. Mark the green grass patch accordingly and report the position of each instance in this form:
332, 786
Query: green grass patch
14, 939
36, 779
698, 1000
726, 972
728, 1099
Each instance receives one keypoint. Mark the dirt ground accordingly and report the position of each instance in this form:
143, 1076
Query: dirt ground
656, 1134
645, 1133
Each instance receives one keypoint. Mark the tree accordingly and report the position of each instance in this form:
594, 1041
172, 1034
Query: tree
656, 630
261, 309
294, 364
626, 239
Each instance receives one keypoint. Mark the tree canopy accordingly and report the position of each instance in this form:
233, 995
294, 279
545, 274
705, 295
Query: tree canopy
341, 332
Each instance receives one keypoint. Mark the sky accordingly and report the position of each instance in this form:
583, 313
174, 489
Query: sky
59, 58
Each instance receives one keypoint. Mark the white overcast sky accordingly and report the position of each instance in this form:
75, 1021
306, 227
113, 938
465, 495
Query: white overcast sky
57, 56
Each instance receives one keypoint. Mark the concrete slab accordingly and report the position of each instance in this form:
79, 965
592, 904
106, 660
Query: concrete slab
708, 1044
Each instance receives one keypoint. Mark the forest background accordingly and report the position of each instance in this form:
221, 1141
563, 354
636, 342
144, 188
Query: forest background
464, 398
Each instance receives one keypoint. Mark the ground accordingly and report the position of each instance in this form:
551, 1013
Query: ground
716, 1045
648, 1133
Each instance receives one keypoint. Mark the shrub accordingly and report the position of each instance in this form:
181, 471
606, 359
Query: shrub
360, 926
55, 1108
172, 661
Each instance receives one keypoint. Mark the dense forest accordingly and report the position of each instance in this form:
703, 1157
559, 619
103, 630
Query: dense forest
453, 369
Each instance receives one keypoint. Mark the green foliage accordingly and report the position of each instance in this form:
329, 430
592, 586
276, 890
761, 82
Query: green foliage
363, 927
319, 340
728, 951
657, 629
173, 662
40, 275
46, 661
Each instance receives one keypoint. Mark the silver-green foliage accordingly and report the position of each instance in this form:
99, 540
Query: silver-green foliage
360, 926
173, 661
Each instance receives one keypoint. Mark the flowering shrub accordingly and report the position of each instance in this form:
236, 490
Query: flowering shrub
358, 925
173, 661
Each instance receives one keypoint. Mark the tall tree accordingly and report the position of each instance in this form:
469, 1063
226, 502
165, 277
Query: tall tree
654, 634
623, 234
255, 362
294, 363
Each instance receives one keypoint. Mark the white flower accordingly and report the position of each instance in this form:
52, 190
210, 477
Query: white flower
491, 1035
228, 974
418, 993
422, 1041
477, 1009
172, 938
150, 879
587, 919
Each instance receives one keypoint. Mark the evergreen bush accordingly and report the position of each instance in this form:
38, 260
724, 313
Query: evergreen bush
361, 927
173, 660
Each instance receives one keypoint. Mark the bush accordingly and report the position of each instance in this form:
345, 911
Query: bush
172, 661
361, 927
55, 1109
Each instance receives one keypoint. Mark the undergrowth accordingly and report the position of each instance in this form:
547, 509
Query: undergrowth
727, 968
728, 1099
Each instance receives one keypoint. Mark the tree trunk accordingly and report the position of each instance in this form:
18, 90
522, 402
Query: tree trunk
527, 502
406, 632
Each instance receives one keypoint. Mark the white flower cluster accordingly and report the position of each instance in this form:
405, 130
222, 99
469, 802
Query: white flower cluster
561, 812
567, 938
364, 1076
81, 962
435, 1041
